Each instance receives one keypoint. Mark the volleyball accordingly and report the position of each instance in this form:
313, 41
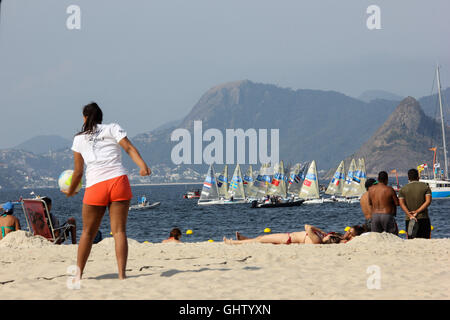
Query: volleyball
65, 179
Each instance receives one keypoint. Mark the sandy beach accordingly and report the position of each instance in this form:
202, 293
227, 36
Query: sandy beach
374, 266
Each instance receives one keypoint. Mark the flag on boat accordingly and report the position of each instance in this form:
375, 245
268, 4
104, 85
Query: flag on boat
307, 183
437, 165
294, 178
221, 180
276, 179
335, 181
208, 182
247, 179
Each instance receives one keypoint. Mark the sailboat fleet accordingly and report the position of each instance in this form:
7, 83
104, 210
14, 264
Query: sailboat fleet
283, 186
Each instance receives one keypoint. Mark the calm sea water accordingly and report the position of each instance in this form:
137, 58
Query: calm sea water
214, 222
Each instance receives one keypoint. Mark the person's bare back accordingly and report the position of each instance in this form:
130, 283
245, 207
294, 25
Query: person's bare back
383, 199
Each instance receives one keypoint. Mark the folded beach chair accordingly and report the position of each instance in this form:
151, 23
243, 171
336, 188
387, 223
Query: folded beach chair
39, 221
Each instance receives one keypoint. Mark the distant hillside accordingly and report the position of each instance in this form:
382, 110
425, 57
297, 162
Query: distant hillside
313, 124
370, 95
430, 105
403, 141
326, 126
44, 144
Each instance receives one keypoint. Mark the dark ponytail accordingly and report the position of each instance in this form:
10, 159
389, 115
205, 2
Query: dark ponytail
94, 116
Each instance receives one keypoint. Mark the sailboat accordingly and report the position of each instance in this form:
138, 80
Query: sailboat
262, 181
249, 188
277, 186
236, 189
349, 178
336, 185
210, 191
363, 175
295, 177
276, 194
354, 184
310, 188
222, 183
440, 188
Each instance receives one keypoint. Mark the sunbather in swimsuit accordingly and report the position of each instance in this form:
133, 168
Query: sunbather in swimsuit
3, 228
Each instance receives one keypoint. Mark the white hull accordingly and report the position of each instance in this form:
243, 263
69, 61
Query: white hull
214, 202
440, 189
314, 201
139, 207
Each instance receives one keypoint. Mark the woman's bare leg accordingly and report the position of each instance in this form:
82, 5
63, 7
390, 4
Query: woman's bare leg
240, 236
118, 213
276, 238
92, 216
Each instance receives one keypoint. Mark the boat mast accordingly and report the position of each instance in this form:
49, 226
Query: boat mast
442, 124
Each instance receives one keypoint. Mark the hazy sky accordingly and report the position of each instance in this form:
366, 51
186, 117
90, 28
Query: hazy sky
148, 62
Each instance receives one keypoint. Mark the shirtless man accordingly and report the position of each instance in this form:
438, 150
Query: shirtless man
384, 202
365, 206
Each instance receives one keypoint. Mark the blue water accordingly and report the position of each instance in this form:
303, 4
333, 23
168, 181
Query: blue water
214, 222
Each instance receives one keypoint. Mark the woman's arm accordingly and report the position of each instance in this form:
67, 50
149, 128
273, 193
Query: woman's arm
310, 231
78, 166
131, 150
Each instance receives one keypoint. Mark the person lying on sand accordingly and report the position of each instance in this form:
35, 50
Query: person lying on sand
311, 235
174, 236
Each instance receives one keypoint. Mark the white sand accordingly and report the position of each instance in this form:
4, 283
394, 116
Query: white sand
32, 268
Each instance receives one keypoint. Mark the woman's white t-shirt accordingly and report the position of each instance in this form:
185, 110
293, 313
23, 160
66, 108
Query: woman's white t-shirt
101, 153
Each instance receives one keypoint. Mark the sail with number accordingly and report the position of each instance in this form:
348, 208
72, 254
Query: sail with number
277, 185
310, 187
210, 191
295, 178
249, 188
349, 178
353, 182
236, 188
337, 182
363, 177
261, 182
222, 183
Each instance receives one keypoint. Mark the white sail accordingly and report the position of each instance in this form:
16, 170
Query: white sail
236, 188
310, 187
349, 178
295, 179
210, 191
222, 183
352, 186
337, 183
277, 186
363, 175
262, 180
249, 180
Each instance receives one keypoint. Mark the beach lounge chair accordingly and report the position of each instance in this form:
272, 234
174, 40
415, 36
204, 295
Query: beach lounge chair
39, 221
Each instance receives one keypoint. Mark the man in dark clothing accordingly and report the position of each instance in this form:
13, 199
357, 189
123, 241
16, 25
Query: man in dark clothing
415, 198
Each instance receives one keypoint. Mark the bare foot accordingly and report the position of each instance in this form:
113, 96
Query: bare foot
227, 241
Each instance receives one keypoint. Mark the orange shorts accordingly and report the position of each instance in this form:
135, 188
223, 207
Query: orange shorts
105, 192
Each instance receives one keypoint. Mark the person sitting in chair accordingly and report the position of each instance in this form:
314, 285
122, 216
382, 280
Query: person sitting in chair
55, 223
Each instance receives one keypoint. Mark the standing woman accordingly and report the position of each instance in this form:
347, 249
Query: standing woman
107, 186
